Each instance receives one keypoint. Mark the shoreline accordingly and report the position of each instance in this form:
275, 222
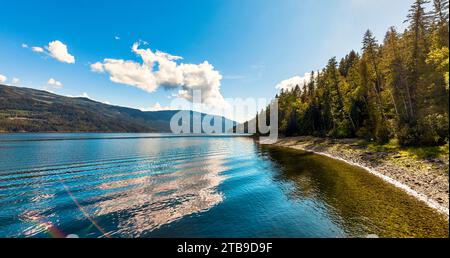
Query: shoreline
427, 185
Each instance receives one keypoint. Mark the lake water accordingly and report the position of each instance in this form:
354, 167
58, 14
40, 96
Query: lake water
148, 185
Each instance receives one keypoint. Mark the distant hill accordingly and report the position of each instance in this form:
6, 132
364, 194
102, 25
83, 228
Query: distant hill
30, 110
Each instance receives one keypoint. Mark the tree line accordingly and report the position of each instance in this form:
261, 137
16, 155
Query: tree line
397, 89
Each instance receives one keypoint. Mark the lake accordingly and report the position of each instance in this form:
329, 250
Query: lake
157, 185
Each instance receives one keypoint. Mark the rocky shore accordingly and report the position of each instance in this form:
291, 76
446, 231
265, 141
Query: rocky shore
425, 178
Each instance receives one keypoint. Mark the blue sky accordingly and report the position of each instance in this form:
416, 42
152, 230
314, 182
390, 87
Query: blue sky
252, 44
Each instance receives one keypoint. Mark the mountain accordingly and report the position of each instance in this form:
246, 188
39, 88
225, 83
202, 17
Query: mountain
30, 110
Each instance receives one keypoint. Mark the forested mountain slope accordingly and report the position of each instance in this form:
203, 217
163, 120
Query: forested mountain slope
30, 110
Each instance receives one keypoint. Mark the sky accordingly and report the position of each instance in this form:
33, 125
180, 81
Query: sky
143, 54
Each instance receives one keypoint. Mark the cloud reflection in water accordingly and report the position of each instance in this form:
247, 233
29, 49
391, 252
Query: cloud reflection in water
157, 200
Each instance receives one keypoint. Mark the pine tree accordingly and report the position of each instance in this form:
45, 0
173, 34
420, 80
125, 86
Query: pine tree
397, 89
419, 22
371, 52
440, 11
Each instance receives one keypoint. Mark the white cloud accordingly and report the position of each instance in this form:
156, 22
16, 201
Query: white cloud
294, 81
3, 78
52, 83
84, 95
55, 49
127, 72
59, 51
161, 69
156, 107
15, 80
97, 67
37, 49
116, 37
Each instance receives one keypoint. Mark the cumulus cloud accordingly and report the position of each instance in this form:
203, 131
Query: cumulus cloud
162, 69
84, 95
97, 67
14, 80
156, 107
127, 72
59, 51
52, 83
290, 83
37, 49
3, 78
55, 49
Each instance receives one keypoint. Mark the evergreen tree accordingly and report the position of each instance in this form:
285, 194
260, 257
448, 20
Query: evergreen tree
398, 89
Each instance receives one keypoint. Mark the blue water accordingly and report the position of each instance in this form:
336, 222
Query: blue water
156, 185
